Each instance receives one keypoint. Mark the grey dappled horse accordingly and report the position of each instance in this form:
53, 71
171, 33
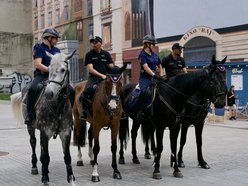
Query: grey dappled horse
53, 115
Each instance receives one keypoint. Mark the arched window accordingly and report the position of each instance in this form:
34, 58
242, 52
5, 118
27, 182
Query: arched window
199, 49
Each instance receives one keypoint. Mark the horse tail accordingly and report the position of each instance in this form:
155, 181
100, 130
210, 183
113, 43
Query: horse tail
16, 105
80, 134
147, 130
124, 131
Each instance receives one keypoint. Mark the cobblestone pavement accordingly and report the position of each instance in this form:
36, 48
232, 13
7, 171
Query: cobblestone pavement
225, 148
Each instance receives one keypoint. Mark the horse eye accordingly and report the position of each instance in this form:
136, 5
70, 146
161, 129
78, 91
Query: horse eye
62, 70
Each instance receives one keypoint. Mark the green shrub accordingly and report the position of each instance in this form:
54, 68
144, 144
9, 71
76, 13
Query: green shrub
5, 96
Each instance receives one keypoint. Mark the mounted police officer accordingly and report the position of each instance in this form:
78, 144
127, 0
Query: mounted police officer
41, 62
150, 65
97, 62
174, 64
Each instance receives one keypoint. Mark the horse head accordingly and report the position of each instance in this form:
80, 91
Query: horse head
58, 80
215, 83
113, 86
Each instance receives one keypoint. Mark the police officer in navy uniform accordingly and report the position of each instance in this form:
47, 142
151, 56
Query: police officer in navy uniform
41, 62
150, 65
97, 62
174, 64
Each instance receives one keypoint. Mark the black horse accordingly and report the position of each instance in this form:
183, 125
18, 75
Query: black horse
169, 103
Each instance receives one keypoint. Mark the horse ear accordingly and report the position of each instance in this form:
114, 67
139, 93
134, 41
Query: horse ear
223, 60
213, 60
69, 56
49, 54
123, 68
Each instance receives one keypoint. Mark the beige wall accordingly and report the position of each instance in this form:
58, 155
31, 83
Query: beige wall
16, 36
15, 16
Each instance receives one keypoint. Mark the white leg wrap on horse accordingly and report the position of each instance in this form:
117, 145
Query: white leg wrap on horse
94, 172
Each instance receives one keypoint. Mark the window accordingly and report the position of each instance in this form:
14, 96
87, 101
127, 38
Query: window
42, 21
127, 26
50, 18
57, 16
79, 30
107, 39
66, 13
105, 5
42, 2
89, 5
35, 3
77, 5
90, 30
36, 23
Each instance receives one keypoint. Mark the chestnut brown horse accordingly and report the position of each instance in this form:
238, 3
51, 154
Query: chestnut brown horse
105, 112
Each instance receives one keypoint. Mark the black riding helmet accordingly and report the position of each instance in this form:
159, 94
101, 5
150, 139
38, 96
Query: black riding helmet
149, 39
50, 32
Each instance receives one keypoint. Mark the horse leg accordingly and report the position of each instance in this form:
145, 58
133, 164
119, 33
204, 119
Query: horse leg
147, 153
173, 141
198, 133
96, 149
114, 133
65, 139
44, 158
134, 132
90, 150
184, 130
157, 156
121, 152
31, 132
123, 135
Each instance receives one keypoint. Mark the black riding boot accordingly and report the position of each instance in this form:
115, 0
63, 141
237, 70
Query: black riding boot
30, 111
141, 114
85, 103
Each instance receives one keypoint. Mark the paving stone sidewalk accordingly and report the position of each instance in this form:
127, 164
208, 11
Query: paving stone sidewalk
224, 148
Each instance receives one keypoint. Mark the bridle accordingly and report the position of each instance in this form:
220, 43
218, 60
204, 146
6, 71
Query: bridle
114, 80
63, 93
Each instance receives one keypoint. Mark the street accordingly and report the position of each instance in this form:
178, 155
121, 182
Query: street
224, 149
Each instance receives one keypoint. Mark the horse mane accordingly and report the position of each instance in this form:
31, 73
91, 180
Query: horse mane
188, 77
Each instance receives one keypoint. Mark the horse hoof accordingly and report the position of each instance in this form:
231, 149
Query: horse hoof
136, 161
117, 175
45, 183
147, 156
177, 174
121, 161
80, 163
95, 178
34, 171
157, 176
204, 166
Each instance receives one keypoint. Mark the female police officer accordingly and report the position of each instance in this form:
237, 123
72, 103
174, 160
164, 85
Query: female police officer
41, 62
150, 64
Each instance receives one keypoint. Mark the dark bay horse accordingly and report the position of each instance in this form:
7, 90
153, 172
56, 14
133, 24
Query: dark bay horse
53, 115
169, 103
106, 111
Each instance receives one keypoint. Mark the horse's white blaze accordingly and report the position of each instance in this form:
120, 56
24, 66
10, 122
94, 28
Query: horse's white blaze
94, 172
112, 104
